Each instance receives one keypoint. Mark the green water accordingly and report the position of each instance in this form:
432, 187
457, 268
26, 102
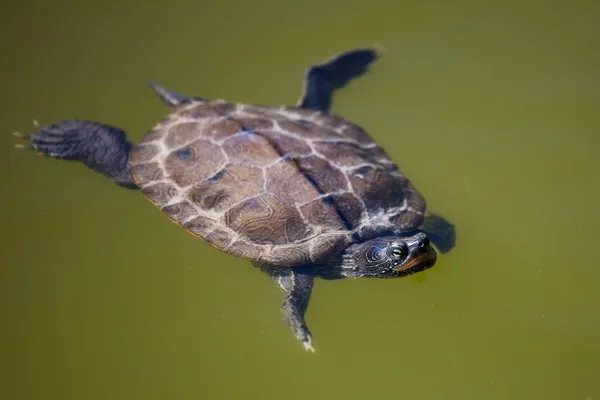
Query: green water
491, 108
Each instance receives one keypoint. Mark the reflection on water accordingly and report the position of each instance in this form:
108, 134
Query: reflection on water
492, 113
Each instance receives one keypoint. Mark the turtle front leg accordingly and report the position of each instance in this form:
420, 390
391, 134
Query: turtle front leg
440, 231
102, 148
320, 81
297, 288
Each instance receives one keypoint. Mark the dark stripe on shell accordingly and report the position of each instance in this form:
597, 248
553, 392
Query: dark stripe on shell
327, 199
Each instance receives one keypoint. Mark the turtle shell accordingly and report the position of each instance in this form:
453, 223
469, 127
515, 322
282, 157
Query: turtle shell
284, 186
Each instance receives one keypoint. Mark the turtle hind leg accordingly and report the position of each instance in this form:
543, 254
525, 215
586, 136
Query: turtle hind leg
440, 231
320, 81
102, 148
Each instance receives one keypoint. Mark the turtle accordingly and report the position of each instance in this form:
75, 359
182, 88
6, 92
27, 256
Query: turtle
299, 191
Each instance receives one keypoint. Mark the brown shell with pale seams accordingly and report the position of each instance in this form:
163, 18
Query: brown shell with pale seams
284, 186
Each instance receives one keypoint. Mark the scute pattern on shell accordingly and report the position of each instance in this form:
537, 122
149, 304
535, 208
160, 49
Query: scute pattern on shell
285, 186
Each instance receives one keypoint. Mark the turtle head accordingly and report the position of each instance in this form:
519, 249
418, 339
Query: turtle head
388, 257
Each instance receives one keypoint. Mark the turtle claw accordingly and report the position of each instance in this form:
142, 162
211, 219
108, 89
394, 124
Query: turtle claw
308, 347
21, 135
379, 48
52, 140
307, 343
23, 146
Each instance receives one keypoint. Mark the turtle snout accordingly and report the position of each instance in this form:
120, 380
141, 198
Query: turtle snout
424, 242
421, 241
422, 248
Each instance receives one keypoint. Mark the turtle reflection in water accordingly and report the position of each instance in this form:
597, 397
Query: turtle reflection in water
298, 191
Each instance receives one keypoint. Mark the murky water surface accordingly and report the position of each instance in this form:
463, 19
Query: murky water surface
491, 108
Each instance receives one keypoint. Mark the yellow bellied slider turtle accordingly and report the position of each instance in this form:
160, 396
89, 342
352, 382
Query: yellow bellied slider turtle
300, 192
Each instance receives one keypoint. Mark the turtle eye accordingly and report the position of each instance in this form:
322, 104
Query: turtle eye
399, 252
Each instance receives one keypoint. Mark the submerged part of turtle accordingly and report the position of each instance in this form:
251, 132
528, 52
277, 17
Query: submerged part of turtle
298, 191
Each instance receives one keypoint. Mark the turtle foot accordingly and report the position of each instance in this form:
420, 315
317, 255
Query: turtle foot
307, 343
53, 141
102, 148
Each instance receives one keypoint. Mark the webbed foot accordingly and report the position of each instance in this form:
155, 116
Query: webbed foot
297, 288
102, 148
440, 231
322, 80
